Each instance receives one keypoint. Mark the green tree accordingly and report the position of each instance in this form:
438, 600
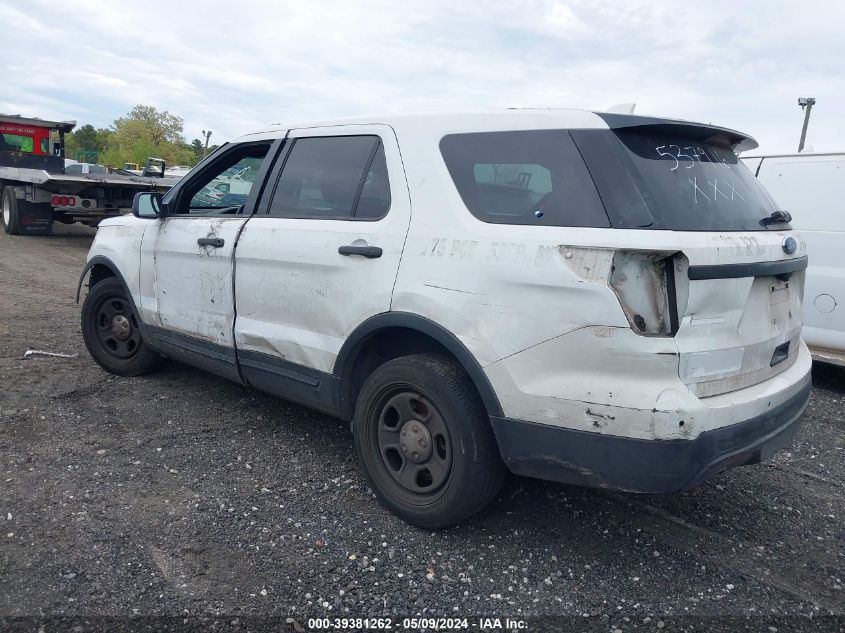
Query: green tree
147, 132
197, 149
158, 125
87, 139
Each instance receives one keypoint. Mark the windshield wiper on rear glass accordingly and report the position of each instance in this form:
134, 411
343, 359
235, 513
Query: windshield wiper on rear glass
777, 217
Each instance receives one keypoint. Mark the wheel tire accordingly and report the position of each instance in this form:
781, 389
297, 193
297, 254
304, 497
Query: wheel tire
111, 333
427, 401
10, 212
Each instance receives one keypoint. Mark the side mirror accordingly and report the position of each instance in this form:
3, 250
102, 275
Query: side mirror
147, 205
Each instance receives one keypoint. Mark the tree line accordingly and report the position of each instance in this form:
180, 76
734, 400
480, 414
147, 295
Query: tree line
142, 133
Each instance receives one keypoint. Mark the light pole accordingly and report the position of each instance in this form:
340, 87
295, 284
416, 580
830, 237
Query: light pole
207, 135
806, 104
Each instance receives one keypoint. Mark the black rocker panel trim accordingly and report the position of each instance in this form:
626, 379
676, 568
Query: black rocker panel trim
214, 358
304, 385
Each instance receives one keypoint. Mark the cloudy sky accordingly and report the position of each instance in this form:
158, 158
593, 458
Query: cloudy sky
234, 66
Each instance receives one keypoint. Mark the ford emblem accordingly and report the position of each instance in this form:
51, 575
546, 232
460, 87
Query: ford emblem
789, 245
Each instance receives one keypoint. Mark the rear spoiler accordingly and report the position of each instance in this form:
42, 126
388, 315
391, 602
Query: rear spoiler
726, 137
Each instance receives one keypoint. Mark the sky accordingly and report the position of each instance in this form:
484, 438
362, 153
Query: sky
233, 67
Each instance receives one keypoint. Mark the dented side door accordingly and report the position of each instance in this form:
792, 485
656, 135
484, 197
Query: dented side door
193, 280
300, 289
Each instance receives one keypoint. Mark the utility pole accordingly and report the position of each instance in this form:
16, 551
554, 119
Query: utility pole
207, 135
806, 104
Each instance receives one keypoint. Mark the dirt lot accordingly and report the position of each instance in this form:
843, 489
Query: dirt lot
179, 494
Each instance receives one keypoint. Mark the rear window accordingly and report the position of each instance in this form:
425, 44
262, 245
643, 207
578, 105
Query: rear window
523, 177
16, 143
693, 185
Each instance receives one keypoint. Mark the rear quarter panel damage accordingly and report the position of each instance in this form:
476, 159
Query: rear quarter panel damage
535, 306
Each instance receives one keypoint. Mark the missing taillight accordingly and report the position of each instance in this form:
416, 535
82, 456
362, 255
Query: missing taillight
644, 282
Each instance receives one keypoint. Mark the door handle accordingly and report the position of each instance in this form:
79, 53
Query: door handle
371, 252
214, 242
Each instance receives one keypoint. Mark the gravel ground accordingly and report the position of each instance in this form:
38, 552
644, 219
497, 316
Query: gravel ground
180, 494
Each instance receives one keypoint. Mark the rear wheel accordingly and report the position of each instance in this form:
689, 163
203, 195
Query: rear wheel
11, 217
424, 441
112, 334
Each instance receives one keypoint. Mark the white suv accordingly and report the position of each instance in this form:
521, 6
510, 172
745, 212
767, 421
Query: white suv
593, 298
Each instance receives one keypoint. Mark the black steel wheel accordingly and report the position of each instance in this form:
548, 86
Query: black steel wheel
414, 443
111, 331
117, 328
424, 441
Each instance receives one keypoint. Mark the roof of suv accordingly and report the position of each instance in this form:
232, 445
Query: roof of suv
516, 119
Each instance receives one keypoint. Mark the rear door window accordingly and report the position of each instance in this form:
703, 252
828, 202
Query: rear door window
333, 178
532, 177
374, 201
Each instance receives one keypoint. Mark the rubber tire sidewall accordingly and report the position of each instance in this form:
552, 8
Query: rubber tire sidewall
13, 228
144, 361
477, 470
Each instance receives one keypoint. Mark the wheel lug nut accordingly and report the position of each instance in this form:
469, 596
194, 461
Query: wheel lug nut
422, 443
404, 449
415, 455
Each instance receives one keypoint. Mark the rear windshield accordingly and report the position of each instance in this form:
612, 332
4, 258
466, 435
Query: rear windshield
523, 177
691, 185
643, 178
16, 143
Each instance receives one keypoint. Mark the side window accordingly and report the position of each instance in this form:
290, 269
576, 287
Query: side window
224, 186
333, 177
532, 177
374, 202
504, 186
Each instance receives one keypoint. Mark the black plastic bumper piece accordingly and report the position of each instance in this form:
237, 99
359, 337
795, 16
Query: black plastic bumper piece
640, 465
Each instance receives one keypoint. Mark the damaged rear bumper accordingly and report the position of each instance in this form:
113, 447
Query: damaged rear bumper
643, 465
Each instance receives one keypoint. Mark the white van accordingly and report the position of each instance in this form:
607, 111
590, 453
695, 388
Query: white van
810, 187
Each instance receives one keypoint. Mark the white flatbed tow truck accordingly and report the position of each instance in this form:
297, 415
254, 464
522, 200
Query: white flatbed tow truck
35, 190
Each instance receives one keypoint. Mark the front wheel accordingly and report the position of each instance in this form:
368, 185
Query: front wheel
111, 333
424, 441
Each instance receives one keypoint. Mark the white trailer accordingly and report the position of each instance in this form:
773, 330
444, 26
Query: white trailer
810, 187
